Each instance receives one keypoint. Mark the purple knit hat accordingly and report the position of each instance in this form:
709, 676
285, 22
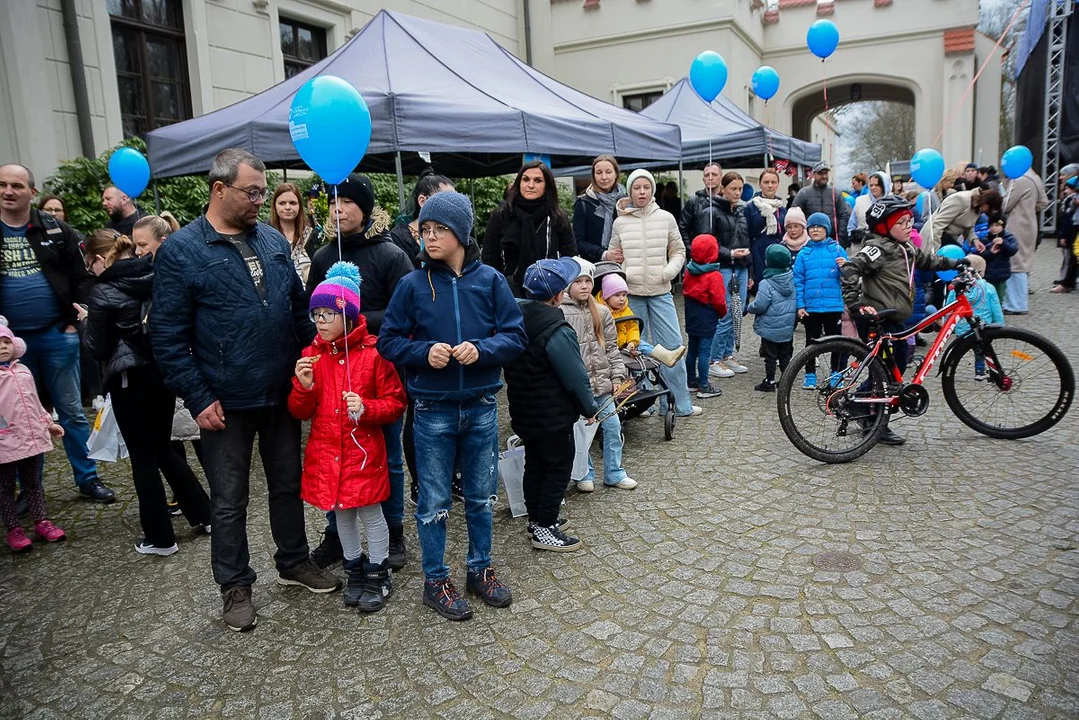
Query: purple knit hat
340, 291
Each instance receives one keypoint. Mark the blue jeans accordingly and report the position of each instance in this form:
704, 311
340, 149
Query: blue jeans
613, 472
464, 435
52, 356
1016, 297
393, 507
659, 323
698, 354
723, 342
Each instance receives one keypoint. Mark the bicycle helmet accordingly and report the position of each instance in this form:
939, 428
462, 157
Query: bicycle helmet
876, 217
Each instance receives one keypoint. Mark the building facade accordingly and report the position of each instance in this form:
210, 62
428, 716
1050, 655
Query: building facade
147, 63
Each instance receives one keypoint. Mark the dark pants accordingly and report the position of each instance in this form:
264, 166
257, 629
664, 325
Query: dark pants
144, 408
817, 325
775, 352
697, 355
1068, 268
548, 464
899, 348
228, 462
28, 471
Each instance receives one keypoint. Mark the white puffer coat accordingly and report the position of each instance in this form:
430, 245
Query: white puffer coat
651, 245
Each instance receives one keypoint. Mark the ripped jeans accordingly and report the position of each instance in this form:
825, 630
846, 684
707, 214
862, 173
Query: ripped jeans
464, 435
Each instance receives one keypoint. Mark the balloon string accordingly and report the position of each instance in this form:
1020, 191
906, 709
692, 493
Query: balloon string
341, 256
831, 151
963, 98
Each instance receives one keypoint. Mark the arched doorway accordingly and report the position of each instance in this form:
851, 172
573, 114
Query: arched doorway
808, 102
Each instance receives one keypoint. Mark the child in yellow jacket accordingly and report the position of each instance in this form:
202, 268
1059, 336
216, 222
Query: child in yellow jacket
614, 293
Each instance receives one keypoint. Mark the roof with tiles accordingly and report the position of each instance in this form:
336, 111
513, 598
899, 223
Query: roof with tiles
959, 41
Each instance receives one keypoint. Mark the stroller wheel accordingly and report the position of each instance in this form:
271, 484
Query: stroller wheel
668, 425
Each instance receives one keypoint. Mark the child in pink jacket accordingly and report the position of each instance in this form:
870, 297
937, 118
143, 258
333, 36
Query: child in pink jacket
25, 427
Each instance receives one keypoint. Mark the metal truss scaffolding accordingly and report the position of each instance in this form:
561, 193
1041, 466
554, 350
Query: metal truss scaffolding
1057, 32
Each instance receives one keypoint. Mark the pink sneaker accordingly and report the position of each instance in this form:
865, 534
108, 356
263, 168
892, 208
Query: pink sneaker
49, 532
18, 542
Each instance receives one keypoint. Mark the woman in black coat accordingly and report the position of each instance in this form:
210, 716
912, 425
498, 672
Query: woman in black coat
116, 336
528, 226
594, 211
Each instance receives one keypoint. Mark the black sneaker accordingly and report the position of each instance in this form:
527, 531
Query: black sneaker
890, 438
490, 589
708, 392
443, 598
173, 507
562, 523
553, 539
398, 550
309, 575
329, 552
766, 386
239, 613
97, 491
145, 547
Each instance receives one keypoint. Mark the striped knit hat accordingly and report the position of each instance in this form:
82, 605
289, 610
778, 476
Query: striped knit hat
340, 291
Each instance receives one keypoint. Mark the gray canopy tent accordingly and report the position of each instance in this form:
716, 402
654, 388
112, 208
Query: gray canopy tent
432, 88
722, 131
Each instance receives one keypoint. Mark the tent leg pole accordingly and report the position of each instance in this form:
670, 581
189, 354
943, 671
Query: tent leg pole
680, 186
284, 174
400, 183
157, 200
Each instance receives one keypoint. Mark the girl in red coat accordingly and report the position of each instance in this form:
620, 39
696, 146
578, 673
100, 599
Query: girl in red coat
348, 391
705, 303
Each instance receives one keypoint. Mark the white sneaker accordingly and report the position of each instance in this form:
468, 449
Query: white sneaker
734, 365
586, 486
719, 369
647, 413
697, 410
626, 483
143, 547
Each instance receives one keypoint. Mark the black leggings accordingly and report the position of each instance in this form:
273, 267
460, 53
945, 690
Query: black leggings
817, 325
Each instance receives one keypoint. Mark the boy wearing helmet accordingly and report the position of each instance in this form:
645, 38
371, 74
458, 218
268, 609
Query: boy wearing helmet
881, 275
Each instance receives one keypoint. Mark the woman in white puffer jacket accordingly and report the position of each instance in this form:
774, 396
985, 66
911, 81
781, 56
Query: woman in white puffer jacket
646, 242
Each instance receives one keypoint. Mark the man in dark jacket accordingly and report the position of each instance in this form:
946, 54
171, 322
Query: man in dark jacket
824, 198
548, 390
698, 212
122, 210
452, 326
42, 273
366, 244
229, 316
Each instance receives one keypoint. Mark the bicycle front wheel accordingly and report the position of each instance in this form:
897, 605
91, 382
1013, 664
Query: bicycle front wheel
1010, 384
829, 423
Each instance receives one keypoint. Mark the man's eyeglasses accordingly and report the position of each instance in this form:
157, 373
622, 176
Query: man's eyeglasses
327, 316
255, 195
434, 231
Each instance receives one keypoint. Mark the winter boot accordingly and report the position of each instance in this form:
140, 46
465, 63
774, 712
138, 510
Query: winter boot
356, 580
668, 357
398, 550
376, 586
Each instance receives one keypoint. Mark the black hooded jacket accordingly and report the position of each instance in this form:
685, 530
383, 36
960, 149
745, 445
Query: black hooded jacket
116, 334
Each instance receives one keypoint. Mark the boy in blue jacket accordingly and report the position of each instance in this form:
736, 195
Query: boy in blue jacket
775, 307
451, 326
996, 248
818, 288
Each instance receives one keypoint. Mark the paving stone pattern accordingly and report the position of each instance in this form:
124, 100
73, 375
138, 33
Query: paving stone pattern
696, 594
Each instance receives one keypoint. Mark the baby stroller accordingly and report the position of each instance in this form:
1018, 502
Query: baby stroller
649, 385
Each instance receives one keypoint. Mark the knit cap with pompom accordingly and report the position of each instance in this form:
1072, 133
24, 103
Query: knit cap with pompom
340, 291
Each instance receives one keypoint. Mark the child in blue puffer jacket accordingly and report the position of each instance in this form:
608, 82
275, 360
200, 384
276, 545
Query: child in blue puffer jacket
817, 285
775, 307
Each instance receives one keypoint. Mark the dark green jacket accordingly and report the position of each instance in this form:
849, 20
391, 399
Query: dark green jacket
880, 275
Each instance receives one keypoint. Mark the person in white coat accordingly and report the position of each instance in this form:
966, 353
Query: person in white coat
1025, 200
645, 241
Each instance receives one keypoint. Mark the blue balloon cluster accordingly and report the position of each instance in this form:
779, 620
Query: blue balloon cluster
129, 171
765, 82
822, 38
927, 167
330, 126
708, 75
955, 253
1016, 160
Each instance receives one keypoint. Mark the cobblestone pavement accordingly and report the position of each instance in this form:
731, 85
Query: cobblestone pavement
696, 595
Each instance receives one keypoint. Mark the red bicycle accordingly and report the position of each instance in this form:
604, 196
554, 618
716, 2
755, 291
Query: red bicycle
1004, 382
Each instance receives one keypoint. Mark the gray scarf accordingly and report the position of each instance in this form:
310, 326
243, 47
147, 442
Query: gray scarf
605, 208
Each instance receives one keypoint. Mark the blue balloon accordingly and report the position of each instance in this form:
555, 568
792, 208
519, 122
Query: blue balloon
822, 38
708, 75
765, 82
927, 167
129, 171
330, 126
955, 253
1016, 161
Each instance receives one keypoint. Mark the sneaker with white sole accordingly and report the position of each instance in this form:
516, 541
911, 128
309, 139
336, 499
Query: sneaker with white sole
734, 365
810, 382
626, 483
145, 547
708, 392
586, 486
553, 539
697, 410
720, 369
562, 524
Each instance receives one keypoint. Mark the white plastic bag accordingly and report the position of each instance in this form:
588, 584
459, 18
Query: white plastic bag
106, 443
511, 471
583, 435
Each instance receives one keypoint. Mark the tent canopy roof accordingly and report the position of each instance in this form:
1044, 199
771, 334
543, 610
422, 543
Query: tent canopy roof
441, 89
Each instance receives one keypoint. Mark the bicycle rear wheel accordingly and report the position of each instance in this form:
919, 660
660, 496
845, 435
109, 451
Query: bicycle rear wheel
1027, 388
827, 423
